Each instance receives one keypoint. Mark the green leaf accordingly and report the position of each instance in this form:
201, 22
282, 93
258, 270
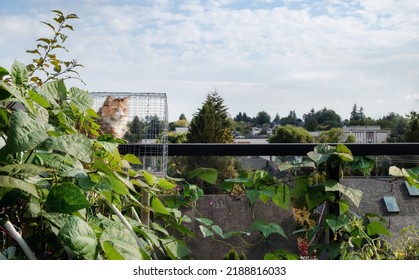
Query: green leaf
252, 195
54, 91
4, 118
363, 164
25, 133
110, 252
66, 198
321, 153
282, 197
166, 185
4, 92
217, 230
121, 240
79, 237
266, 194
23, 170
116, 184
376, 227
76, 145
267, 228
3, 72
353, 194
63, 163
344, 153
19, 74
205, 231
336, 224
33, 208
39, 99
300, 187
158, 206
238, 180
176, 249
81, 98
10, 182
205, 221
343, 207
131, 159
149, 178
208, 175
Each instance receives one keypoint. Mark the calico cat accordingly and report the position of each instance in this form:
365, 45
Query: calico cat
113, 116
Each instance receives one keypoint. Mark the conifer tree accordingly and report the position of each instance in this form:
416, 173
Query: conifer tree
211, 124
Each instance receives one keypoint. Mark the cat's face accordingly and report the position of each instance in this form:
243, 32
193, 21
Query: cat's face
114, 108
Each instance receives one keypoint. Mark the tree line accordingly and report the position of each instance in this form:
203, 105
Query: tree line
212, 123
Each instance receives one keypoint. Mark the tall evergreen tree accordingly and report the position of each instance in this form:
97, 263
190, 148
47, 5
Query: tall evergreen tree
135, 131
412, 134
211, 124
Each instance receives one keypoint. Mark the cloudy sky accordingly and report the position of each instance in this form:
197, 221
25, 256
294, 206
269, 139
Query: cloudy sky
262, 55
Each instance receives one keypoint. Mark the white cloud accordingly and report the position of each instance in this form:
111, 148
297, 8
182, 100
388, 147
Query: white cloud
294, 55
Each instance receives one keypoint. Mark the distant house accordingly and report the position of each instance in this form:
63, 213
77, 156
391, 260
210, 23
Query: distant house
366, 134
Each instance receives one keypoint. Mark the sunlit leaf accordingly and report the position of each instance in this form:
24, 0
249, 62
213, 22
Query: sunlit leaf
19, 74
282, 196
131, 159
353, 194
121, 240
76, 145
158, 206
25, 133
11, 182
267, 228
79, 237
205, 231
376, 227
205, 221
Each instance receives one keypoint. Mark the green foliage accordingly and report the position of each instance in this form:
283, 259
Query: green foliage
135, 131
290, 134
75, 197
173, 137
46, 60
412, 134
263, 118
351, 236
211, 124
324, 119
333, 135
233, 255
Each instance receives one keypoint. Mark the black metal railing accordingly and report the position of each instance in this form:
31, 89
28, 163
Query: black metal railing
205, 149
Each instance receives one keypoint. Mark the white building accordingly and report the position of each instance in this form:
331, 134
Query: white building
366, 134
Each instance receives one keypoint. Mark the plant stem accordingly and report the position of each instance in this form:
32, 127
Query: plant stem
18, 238
126, 224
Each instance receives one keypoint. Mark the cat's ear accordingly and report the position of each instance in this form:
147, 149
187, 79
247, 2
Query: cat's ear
109, 99
126, 99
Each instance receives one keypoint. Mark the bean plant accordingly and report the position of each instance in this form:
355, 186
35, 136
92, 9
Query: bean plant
64, 195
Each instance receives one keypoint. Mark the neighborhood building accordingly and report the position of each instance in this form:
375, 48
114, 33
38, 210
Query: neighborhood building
366, 134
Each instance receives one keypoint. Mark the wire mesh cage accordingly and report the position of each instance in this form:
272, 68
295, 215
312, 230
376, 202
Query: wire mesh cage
142, 120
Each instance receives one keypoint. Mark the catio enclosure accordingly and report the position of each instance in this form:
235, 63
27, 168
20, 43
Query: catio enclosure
147, 125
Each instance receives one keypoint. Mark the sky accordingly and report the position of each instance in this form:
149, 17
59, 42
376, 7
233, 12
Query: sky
262, 55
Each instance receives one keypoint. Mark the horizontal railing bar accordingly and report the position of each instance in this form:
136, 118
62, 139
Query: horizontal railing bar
205, 149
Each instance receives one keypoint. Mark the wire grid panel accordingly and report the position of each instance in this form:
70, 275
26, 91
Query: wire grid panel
147, 124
